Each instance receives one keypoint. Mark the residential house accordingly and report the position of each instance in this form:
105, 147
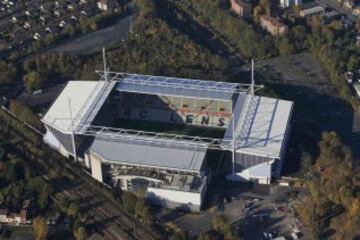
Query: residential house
274, 26
241, 8
356, 86
349, 3
13, 218
106, 5
356, 11
311, 11
3, 215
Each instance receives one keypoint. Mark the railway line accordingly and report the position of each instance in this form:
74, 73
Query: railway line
116, 223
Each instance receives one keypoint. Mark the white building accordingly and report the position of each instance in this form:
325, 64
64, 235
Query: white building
311, 11
289, 3
172, 168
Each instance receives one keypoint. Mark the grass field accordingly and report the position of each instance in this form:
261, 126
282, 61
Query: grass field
159, 127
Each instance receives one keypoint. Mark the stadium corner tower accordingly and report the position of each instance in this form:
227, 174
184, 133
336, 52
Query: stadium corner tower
168, 136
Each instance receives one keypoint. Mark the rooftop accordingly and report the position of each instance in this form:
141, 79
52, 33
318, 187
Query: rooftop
77, 104
260, 129
149, 155
273, 21
68, 104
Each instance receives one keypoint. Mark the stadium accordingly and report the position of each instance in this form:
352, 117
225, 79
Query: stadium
169, 136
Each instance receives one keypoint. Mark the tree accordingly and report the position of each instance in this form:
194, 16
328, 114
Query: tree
258, 10
40, 228
73, 209
25, 113
352, 63
221, 225
333, 200
178, 235
33, 81
285, 47
266, 4
209, 236
80, 233
129, 201
8, 73
298, 35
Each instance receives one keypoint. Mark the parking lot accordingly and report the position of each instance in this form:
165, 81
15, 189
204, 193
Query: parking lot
255, 212
266, 218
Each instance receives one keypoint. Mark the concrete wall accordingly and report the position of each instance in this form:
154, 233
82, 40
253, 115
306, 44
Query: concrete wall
261, 173
54, 143
96, 169
175, 199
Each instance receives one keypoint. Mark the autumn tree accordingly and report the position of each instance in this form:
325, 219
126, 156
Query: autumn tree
222, 226
73, 209
40, 228
333, 191
266, 4
80, 233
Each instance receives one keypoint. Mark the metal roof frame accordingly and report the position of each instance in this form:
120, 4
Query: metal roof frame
80, 124
182, 83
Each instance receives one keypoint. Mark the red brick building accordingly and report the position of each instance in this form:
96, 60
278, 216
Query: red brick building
272, 25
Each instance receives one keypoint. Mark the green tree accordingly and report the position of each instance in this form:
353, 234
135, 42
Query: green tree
299, 35
353, 63
209, 236
129, 201
25, 113
73, 209
285, 47
178, 235
8, 74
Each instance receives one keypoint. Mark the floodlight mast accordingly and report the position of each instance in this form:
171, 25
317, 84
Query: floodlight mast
233, 146
105, 67
72, 133
252, 90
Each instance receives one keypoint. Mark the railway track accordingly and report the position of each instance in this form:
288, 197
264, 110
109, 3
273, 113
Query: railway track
119, 225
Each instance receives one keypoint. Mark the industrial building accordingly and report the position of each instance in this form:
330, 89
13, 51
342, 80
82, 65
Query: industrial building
160, 134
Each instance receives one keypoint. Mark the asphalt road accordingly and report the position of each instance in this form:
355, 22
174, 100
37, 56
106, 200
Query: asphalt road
93, 42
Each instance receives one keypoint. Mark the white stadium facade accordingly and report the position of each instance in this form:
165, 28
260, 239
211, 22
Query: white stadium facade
109, 126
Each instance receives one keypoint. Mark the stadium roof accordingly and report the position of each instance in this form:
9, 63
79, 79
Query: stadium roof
77, 104
176, 86
260, 122
261, 127
75, 94
149, 154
